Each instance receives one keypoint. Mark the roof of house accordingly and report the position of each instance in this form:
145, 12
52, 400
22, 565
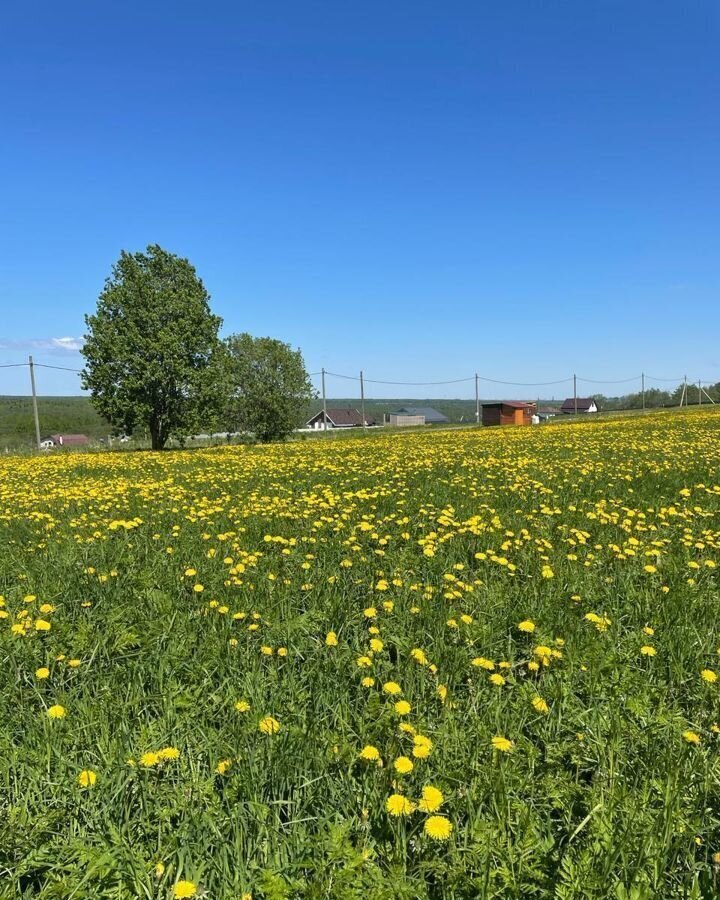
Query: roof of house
583, 404
70, 438
345, 416
431, 415
513, 404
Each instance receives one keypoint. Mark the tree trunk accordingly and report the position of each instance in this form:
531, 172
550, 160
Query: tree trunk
157, 434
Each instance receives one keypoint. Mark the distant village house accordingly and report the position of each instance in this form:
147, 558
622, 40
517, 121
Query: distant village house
338, 418
584, 405
430, 415
65, 440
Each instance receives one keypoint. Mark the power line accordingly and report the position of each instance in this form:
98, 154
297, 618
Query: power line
12, 365
60, 368
616, 381
526, 383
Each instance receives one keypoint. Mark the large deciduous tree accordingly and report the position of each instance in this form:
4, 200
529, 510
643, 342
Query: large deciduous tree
150, 350
268, 386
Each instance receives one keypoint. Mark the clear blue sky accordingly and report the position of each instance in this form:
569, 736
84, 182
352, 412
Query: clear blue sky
421, 190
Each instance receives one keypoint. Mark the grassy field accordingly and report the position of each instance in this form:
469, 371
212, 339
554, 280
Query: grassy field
462, 664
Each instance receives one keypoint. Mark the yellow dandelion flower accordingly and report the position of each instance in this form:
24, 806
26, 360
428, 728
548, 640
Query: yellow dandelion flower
527, 626
168, 753
370, 753
184, 889
402, 707
87, 778
709, 676
496, 679
268, 725
331, 639
398, 805
392, 687
403, 765
691, 737
242, 706
432, 799
540, 705
647, 650
438, 828
57, 712
42, 672
502, 744
149, 759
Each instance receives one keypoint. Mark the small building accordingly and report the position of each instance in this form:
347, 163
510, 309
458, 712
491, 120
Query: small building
338, 418
65, 440
403, 419
547, 412
584, 405
508, 412
431, 416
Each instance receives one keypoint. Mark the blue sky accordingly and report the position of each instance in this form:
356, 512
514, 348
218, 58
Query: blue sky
420, 190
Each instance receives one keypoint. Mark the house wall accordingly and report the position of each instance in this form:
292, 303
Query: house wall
401, 419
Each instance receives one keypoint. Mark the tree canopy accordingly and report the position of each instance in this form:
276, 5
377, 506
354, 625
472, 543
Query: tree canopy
151, 347
268, 387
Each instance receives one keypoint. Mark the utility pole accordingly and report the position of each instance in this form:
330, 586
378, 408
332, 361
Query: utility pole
643, 390
324, 402
684, 393
477, 399
699, 392
362, 399
34, 401
575, 391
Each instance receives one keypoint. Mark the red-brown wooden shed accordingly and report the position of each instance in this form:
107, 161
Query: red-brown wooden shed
508, 412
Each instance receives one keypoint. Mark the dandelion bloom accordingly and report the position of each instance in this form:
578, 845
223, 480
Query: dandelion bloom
432, 799
184, 889
403, 765
42, 625
442, 692
370, 753
422, 746
709, 676
482, 663
268, 725
57, 712
363, 662
242, 706
402, 707
222, 767
540, 705
497, 679
397, 805
691, 737
419, 656
392, 687
647, 650
87, 778
74, 663
331, 639
502, 744
650, 569
149, 759
370, 612
168, 753
438, 828
527, 626
43, 672
376, 645
367, 682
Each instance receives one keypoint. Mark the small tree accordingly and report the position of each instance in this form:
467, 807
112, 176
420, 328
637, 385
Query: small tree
268, 386
150, 347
